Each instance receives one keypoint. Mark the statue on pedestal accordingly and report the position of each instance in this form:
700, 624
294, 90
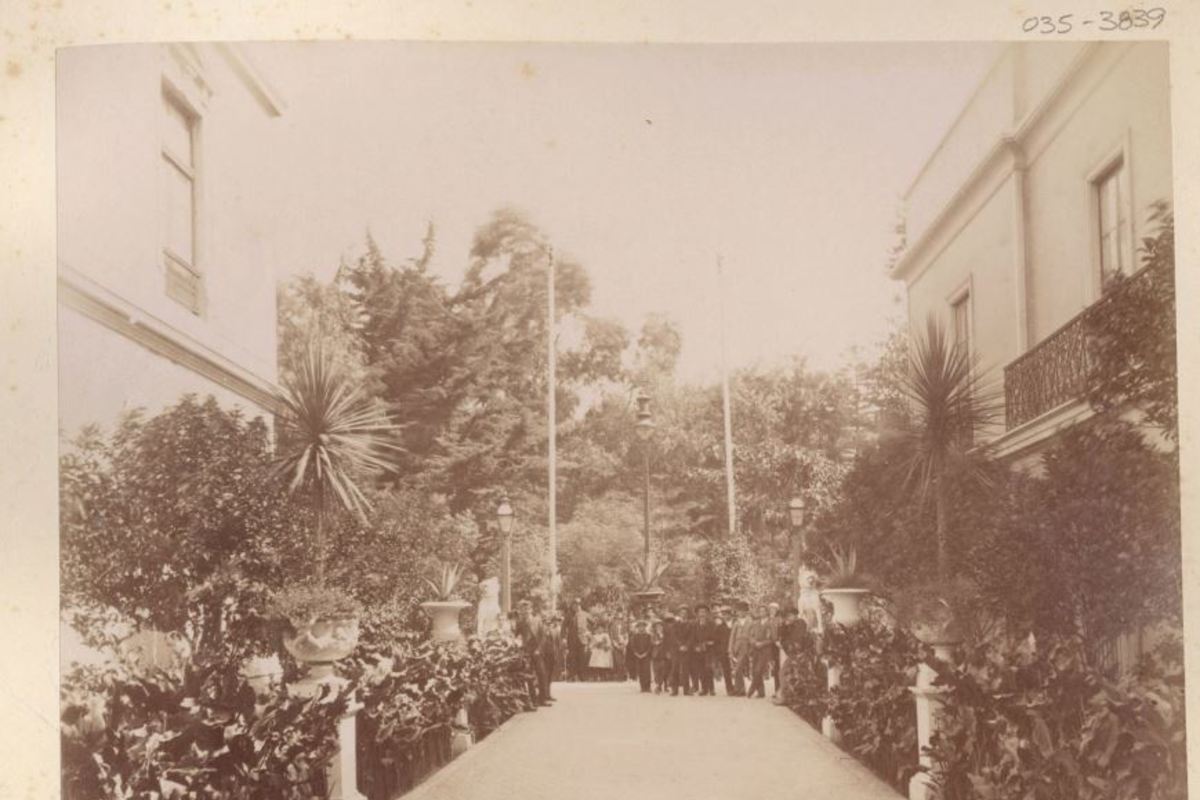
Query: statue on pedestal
808, 604
487, 617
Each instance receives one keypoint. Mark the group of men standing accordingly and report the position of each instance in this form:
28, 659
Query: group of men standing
680, 652
688, 651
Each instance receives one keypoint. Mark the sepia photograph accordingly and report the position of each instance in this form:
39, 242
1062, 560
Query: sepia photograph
456, 420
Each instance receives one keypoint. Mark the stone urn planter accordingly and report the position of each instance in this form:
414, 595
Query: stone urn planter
444, 614
322, 627
649, 596
445, 609
943, 635
847, 604
323, 641
317, 645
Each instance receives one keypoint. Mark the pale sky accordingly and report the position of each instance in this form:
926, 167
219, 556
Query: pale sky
642, 162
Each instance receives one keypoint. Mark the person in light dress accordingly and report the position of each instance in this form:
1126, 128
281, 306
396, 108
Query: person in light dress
601, 661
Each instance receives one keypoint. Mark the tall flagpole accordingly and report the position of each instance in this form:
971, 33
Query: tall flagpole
551, 403
730, 497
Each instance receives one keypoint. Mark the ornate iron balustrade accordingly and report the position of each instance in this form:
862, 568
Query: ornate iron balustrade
1057, 369
1053, 372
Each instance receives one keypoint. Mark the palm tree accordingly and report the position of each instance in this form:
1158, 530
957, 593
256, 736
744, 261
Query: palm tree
949, 405
331, 435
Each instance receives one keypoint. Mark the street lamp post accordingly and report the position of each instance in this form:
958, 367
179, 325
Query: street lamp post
645, 427
504, 517
799, 540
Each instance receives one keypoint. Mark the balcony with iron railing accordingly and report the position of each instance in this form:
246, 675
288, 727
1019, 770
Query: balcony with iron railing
1055, 371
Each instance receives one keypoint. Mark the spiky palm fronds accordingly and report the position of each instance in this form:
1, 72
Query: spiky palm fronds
845, 565
447, 582
950, 403
331, 434
647, 574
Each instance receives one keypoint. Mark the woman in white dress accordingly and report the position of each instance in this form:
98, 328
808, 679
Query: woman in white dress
601, 660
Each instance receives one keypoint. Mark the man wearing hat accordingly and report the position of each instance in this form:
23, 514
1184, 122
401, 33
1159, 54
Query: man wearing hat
682, 634
641, 648
720, 655
661, 655
532, 634
739, 648
704, 641
773, 622
575, 632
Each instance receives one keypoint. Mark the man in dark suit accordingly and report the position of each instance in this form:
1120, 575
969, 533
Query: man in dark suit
764, 634
704, 640
575, 632
551, 655
661, 656
739, 649
641, 649
720, 655
683, 633
532, 634
795, 641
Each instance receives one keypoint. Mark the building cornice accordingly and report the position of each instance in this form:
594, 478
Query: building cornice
1004, 156
1011, 151
78, 292
266, 95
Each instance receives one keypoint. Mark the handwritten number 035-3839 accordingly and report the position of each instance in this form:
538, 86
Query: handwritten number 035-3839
1106, 21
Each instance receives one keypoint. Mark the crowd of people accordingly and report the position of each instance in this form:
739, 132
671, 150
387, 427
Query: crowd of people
688, 651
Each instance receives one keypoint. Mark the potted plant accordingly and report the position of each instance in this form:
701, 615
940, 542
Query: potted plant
445, 608
320, 627
845, 588
331, 436
646, 576
929, 611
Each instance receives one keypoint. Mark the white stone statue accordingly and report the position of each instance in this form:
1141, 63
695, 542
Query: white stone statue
808, 604
487, 617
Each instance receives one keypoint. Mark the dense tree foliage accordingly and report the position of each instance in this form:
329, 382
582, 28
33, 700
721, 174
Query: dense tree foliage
463, 370
175, 523
1132, 335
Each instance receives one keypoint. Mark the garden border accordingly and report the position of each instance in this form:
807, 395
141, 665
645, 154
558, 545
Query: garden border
431, 781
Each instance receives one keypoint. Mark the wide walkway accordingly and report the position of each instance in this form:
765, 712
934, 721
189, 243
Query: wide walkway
606, 741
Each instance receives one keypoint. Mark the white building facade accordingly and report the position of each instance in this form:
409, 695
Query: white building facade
166, 280
1036, 195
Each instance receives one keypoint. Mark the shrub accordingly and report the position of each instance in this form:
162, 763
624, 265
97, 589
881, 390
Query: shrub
192, 733
1040, 723
805, 682
872, 705
173, 524
199, 730
1065, 551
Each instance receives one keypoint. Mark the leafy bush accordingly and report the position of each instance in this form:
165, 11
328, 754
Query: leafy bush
872, 705
192, 733
168, 734
1062, 553
172, 523
300, 605
1131, 334
736, 571
805, 681
1040, 723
